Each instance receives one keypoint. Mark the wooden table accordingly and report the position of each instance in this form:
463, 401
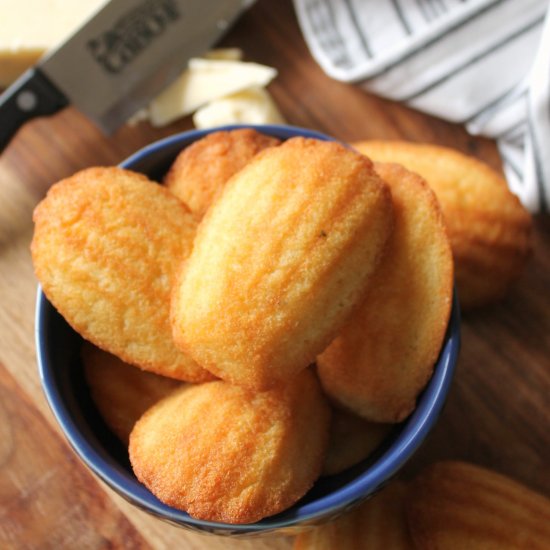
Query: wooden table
498, 413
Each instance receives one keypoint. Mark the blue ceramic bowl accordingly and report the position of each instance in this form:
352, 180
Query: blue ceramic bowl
58, 348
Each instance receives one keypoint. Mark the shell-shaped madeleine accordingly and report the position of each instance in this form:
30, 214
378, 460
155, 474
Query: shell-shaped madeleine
280, 260
225, 453
489, 229
383, 357
460, 505
106, 245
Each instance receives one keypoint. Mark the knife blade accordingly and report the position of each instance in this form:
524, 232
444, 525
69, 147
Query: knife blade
117, 61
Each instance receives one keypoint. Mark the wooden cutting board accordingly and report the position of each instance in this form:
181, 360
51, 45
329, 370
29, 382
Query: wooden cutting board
498, 413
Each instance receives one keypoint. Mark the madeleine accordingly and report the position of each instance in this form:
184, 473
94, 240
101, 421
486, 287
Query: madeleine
280, 261
106, 246
454, 504
384, 356
224, 453
489, 229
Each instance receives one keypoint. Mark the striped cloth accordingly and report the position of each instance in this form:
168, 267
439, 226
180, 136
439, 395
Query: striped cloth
482, 63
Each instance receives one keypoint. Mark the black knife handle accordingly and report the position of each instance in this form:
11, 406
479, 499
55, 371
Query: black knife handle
29, 96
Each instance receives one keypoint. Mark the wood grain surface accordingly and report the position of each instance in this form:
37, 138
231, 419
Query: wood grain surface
498, 413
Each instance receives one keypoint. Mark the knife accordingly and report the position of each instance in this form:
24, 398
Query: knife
117, 61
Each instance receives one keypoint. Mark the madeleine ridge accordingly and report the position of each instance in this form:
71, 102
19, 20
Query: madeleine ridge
225, 453
280, 261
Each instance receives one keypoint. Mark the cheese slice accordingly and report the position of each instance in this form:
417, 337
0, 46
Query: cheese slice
204, 81
251, 106
28, 28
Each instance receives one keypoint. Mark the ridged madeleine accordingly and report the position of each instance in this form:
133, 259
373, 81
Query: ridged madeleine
460, 505
280, 261
489, 229
106, 245
224, 453
384, 356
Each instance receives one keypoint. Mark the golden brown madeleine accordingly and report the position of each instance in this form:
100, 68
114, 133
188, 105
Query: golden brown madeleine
224, 453
200, 171
352, 439
122, 392
280, 261
105, 248
459, 505
377, 524
489, 229
384, 356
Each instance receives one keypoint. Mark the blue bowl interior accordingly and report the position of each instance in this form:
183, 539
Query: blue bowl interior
58, 348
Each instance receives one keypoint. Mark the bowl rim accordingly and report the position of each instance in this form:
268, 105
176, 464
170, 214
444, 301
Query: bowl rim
183, 138
415, 428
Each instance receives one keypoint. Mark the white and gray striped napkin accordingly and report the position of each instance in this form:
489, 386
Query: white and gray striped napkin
483, 63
